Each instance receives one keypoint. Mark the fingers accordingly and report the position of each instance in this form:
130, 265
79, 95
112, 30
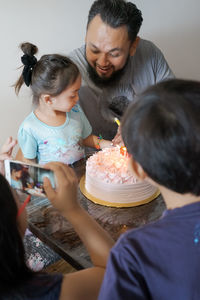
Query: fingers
64, 197
64, 174
118, 139
111, 145
50, 192
61, 169
56, 166
8, 146
11, 146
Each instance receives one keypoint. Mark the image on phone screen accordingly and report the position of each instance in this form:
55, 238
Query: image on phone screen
27, 177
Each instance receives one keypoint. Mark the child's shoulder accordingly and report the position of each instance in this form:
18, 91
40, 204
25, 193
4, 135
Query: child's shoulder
29, 122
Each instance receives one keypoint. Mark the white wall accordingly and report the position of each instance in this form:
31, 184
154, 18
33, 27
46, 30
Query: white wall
58, 26
174, 27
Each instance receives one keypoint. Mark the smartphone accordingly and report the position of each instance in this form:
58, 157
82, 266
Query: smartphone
27, 178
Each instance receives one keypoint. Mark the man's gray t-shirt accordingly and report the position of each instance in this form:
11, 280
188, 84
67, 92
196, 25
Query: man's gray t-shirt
147, 67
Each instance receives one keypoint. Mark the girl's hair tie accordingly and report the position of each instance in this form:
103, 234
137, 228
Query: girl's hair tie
29, 61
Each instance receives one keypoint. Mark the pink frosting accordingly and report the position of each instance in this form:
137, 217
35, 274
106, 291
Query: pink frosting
110, 166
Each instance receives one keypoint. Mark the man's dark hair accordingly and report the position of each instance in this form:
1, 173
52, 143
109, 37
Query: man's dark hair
162, 133
117, 13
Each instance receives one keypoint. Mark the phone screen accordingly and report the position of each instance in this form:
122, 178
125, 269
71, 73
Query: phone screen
27, 177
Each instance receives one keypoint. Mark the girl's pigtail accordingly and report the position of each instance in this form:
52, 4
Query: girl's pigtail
29, 61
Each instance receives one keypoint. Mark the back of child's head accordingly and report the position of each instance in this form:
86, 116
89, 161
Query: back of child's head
13, 269
51, 75
162, 132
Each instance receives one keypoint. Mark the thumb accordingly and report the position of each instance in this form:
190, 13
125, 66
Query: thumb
50, 192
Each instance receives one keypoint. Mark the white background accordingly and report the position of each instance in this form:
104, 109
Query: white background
58, 26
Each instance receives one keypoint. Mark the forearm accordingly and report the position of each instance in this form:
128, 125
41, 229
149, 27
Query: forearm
95, 238
88, 282
94, 141
91, 141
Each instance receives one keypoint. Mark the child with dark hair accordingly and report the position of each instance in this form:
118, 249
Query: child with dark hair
161, 260
16, 175
57, 129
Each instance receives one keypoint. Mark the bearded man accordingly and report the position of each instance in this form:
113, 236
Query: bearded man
115, 64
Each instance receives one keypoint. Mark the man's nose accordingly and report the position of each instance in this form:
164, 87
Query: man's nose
102, 60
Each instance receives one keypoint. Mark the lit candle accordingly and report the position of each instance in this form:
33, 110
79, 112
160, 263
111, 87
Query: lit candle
117, 121
123, 151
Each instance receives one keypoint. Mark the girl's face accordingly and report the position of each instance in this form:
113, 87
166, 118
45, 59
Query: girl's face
68, 98
16, 175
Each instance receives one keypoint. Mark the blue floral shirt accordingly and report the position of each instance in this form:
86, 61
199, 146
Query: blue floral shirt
54, 143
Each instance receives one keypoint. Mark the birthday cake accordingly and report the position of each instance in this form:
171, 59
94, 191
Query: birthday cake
109, 182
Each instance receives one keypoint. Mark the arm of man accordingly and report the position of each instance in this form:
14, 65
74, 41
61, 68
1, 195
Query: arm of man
161, 68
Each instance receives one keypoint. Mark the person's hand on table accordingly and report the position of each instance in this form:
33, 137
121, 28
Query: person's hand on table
6, 152
64, 196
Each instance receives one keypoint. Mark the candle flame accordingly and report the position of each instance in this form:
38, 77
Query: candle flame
123, 151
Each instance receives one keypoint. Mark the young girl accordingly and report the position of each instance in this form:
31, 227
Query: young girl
16, 176
57, 129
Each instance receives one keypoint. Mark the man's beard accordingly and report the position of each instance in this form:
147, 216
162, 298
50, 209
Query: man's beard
103, 81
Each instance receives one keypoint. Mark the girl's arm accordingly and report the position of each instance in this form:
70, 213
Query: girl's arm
19, 156
94, 141
83, 284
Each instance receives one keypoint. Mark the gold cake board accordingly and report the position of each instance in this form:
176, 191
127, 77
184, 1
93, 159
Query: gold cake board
113, 204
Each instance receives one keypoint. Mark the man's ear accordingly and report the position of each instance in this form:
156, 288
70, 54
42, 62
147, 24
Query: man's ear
137, 169
133, 46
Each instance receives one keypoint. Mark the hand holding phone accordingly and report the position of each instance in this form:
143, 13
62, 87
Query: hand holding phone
27, 177
64, 196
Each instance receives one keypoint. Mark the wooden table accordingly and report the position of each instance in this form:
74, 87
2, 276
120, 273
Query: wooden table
47, 224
